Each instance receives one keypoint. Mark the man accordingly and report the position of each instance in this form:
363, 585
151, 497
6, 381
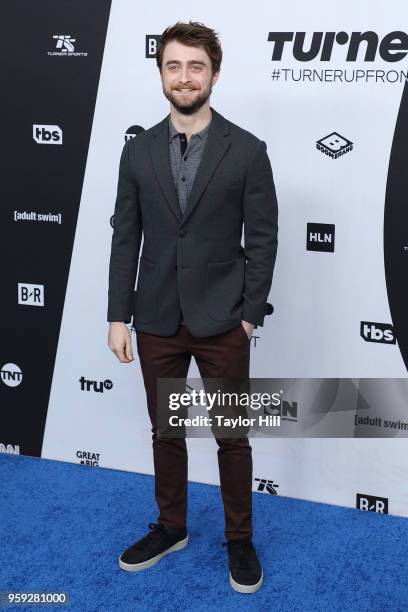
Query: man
189, 184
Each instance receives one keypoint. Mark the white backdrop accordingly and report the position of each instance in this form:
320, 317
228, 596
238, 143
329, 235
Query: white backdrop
319, 298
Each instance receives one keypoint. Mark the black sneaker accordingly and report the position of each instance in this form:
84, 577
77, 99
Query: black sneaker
150, 549
246, 575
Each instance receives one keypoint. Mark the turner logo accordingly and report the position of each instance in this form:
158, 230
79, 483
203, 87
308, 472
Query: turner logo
320, 237
393, 47
47, 134
11, 374
30, 295
377, 332
152, 44
334, 145
371, 503
267, 486
93, 385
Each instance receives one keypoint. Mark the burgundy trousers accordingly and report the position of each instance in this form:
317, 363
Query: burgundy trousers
224, 355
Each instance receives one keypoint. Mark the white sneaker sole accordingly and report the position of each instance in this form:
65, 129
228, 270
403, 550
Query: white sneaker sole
246, 588
136, 567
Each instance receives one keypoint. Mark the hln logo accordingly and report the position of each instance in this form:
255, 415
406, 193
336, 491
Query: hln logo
377, 332
30, 295
267, 486
152, 44
333, 145
320, 237
47, 134
371, 503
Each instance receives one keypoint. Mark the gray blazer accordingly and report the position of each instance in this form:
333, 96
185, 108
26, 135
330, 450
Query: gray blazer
194, 260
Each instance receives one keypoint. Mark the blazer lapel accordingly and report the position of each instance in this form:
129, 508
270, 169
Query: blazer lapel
215, 148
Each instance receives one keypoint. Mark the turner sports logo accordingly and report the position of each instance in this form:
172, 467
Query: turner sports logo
371, 503
64, 47
334, 145
266, 486
320, 237
305, 47
382, 333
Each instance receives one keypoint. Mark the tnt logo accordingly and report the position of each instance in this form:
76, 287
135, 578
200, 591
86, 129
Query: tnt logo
47, 134
11, 374
30, 295
267, 486
320, 237
377, 332
133, 131
334, 145
152, 44
370, 503
64, 42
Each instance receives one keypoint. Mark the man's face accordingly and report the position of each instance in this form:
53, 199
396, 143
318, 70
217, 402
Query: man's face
186, 76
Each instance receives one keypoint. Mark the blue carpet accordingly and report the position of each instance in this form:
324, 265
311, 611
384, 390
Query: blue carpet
64, 525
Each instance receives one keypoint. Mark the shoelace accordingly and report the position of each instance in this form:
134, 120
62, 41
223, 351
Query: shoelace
157, 532
241, 552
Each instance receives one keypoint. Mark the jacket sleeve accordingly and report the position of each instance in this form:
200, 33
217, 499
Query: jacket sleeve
260, 211
125, 243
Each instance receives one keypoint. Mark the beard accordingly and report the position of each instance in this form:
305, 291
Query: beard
187, 105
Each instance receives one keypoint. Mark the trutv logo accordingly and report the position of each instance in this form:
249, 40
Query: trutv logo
371, 503
393, 47
377, 332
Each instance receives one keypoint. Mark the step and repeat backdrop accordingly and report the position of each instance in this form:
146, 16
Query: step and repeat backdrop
324, 85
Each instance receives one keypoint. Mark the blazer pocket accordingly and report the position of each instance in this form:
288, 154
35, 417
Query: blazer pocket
145, 296
224, 285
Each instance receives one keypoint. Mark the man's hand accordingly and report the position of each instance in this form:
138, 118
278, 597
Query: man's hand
249, 328
119, 341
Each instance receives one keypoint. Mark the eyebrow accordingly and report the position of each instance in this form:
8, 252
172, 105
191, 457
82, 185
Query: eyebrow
189, 62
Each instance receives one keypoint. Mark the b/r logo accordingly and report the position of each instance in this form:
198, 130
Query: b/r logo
371, 503
377, 332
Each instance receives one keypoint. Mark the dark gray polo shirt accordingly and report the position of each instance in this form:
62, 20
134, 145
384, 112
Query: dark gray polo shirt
184, 166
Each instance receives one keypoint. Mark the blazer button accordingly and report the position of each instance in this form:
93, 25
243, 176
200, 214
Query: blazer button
182, 233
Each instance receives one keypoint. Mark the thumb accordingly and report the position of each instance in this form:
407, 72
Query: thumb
128, 349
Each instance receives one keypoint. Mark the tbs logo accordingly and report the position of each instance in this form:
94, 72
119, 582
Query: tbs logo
370, 503
333, 145
47, 134
320, 237
152, 44
377, 332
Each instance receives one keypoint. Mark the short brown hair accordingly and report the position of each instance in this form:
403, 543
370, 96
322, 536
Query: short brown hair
193, 34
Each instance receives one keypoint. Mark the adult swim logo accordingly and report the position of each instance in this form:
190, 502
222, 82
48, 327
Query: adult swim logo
267, 486
11, 375
334, 145
371, 503
64, 47
324, 47
381, 333
320, 237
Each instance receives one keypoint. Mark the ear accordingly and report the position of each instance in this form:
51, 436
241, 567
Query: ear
215, 77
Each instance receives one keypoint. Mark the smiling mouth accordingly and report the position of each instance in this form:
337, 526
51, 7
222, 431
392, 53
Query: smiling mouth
185, 90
